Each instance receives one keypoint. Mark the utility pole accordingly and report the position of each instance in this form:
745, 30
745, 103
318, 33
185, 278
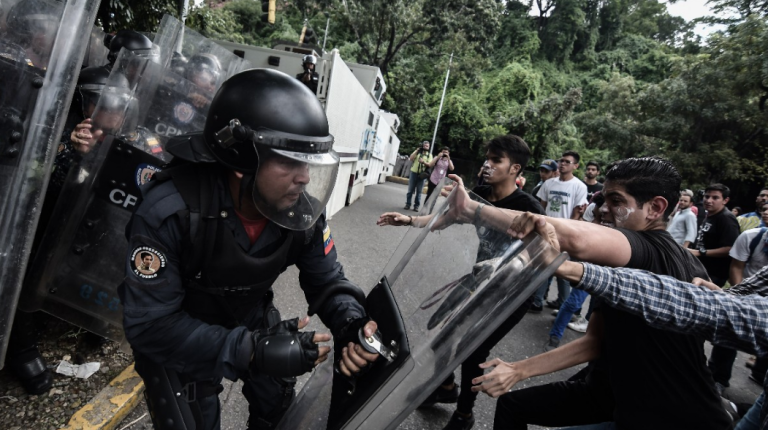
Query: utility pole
440, 110
325, 36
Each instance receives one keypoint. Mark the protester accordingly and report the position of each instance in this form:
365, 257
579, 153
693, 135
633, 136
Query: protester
421, 159
576, 298
590, 179
752, 220
683, 226
716, 234
563, 197
547, 170
645, 378
441, 164
506, 157
736, 211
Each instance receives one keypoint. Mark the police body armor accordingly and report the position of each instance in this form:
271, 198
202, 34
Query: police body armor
38, 58
435, 304
80, 262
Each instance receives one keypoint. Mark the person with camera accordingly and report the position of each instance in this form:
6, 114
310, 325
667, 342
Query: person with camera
440, 166
421, 159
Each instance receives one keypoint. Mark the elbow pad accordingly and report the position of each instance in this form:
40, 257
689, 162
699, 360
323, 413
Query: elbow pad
283, 351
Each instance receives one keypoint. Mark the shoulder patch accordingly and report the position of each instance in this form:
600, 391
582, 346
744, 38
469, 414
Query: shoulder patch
144, 173
147, 262
327, 240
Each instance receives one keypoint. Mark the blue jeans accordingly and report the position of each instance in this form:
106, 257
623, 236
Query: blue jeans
414, 183
563, 290
751, 420
567, 309
541, 293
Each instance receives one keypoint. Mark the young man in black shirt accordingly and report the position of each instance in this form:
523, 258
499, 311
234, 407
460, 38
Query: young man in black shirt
590, 179
645, 378
717, 233
506, 157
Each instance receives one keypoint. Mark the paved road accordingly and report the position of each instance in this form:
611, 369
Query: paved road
364, 250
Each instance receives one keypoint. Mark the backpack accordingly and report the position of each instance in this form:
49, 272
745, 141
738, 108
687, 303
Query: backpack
755, 241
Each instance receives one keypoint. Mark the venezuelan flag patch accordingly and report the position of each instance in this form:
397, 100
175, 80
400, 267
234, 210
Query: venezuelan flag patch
327, 239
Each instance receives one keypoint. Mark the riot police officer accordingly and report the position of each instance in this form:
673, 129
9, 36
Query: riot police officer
309, 76
132, 41
243, 200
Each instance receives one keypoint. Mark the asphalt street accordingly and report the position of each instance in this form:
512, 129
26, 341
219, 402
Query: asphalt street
365, 249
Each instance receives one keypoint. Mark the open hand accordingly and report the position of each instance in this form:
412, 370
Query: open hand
393, 218
703, 282
500, 380
462, 207
322, 351
354, 357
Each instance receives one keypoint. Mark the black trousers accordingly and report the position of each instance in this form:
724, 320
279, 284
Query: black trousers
560, 404
470, 368
721, 365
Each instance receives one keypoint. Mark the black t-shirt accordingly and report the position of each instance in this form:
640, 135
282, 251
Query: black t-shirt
592, 189
717, 231
519, 200
659, 379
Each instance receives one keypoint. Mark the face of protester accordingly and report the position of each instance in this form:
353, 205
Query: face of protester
546, 174
762, 197
498, 167
567, 164
621, 210
714, 202
281, 181
764, 213
425, 145
685, 202
591, 172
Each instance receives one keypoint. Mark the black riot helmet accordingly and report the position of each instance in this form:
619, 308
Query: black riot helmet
131, 40
309, 58
117, 111
260, 118
90, 84
203, 70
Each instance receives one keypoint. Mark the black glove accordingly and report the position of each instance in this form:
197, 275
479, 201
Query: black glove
283, 351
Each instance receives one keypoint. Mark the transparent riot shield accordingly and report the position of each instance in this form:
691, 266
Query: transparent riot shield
96, 54
442, 294
78, 265
81, 261
38, 58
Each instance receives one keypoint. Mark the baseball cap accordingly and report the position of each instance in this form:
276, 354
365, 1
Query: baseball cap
549, 164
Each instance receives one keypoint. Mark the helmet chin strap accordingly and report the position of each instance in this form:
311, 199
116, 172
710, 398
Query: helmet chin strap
246, 183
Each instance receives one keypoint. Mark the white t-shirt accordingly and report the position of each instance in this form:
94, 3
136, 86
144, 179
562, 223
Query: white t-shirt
740, 251
562, 197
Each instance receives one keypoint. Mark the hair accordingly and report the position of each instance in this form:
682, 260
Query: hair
688, 193
593, 163
598, 199
645, 178
725, 191
573, 154
737, 209
445, 148
145, 255
514, 147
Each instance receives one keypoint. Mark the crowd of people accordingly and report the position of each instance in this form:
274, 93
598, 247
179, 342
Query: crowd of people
646, 362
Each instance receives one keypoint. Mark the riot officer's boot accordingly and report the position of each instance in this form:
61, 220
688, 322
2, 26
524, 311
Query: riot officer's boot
31, 369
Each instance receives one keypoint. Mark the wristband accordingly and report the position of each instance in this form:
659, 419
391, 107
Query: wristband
703, 252
410, 220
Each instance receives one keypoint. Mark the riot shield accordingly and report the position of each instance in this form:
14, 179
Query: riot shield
81, 260
442, 294
38, 58
96, 54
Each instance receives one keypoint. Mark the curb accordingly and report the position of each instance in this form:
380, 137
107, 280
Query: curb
403, 181
113, 403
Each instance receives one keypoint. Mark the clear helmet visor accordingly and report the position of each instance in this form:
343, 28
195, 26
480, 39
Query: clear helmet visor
292, 188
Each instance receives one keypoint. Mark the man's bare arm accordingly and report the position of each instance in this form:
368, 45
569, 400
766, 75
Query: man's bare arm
736, 271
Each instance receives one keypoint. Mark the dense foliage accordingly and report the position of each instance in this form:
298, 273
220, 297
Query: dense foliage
609, 78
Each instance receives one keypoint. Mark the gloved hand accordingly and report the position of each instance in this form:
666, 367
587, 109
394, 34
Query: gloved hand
283, 351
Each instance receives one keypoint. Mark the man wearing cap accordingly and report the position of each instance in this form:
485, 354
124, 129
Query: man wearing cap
547, 170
